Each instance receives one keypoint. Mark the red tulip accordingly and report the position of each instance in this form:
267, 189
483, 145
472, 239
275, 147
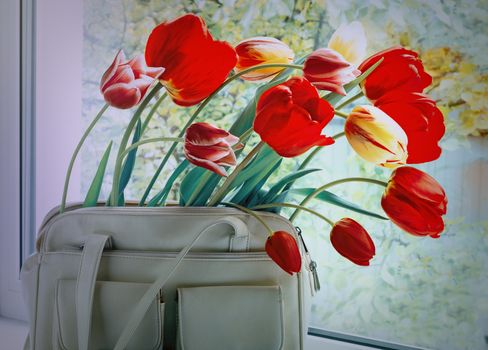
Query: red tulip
196, 65
290, 117
125, 83
283, 249
328, 70
415, 202
262, 50
421, 120
352, 241
210, 147
401, 69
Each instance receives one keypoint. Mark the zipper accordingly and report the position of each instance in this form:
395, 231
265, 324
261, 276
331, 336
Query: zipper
195, 255
310, 265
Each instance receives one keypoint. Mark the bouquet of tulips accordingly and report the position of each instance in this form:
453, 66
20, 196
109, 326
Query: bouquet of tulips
297, 98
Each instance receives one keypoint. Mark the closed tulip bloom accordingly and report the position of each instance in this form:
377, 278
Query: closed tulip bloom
415, 202
401, 70
196, 65
421, 120
327, 70
350, 41
376, 137
290, 117
210, 147
352, 241
262, 50
283, 249
125, 83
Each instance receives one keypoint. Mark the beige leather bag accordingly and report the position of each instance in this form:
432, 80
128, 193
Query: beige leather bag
144, 278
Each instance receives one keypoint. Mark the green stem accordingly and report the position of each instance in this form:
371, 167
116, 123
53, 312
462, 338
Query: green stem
341, 114
334, 183
253, 214
246, 135
218, 196
197, 112
75, 155
199, 188
315, 151
350, 100
296, 206
151, 140
152, 112
123, 144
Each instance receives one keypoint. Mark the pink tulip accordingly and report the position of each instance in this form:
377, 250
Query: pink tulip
328, 70
125, 83
210, 147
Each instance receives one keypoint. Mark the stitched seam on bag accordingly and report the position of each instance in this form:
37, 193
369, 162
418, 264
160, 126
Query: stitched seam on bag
282, 318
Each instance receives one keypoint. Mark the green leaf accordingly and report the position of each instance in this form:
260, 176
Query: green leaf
130, 160
333, 98
270, 197
161, 196
91, 198
331, 198
190, 183
255, 183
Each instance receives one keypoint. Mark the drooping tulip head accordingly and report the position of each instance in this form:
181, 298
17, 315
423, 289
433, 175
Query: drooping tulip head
210, 147
376, 137
196, 65
401, 70
415, 202
327, 70
350, 41
125, 83
262, 50
290, 117
283, 249
352, 241
421, 120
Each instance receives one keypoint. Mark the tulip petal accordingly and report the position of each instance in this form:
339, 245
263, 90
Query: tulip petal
122, 96
118, 60
350, 41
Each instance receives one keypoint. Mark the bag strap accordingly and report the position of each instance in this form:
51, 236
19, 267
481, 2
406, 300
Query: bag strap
85, 286
140, 310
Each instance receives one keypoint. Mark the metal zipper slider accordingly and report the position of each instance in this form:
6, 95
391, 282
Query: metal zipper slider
311, 264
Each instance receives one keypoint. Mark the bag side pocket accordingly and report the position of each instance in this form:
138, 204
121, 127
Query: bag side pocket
112, 307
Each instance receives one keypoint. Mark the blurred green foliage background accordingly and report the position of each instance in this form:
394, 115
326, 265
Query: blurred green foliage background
418, 291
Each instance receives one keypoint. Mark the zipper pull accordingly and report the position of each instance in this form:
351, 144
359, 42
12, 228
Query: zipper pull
311, 265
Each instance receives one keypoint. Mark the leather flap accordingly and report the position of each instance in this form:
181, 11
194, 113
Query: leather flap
230, 317
112, 307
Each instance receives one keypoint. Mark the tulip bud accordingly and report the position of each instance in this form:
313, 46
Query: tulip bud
350, 41
415, 202
283, 249
376, 137
124, 84
327, 70
352, 241
210, 147
262, 50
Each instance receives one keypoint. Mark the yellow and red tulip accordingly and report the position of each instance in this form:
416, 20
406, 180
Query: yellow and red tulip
125, 83
415, 202
262, 50
196, 65
376, 137
350, 41
352, 241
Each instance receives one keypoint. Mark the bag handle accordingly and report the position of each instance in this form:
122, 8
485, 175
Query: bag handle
143, 305
90, 261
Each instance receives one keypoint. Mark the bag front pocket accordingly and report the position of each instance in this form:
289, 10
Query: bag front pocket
230, 317
113, 303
